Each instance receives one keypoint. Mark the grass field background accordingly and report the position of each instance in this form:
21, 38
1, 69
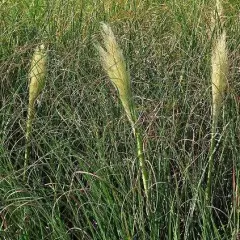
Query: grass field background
83, 179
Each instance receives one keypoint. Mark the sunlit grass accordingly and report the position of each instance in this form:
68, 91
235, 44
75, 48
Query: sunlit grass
81, 179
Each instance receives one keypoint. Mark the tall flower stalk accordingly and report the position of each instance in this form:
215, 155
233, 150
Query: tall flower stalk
114, 64
219, 82
37, 76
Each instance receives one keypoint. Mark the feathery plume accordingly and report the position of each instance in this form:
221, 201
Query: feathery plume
37, 73
37, 76
219, 82
114, 64
219, 74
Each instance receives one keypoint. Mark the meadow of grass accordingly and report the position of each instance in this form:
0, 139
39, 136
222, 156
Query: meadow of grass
82, 180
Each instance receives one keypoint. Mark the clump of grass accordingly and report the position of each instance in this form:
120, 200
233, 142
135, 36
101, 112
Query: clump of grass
37, 76
219, 62
114, 64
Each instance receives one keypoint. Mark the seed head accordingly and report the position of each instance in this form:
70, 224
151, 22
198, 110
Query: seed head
115, 66
219, 66
37, 73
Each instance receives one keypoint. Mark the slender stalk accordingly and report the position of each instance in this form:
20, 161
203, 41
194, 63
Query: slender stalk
115, 66
211, 161
236, 200
30, 117
141, 159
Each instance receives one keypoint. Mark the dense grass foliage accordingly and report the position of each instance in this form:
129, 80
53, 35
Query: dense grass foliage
82, 179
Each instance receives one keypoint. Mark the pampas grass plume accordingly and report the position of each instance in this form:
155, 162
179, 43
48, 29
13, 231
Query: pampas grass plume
37, 76
219, 82
114, 64
219, 73
37, 73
